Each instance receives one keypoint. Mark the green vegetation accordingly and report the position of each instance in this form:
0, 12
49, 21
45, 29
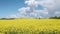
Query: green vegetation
55, 17
7, 18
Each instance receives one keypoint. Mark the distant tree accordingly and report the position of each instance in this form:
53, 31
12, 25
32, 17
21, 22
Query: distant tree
38, 18
7, 18
3, 18
55, 17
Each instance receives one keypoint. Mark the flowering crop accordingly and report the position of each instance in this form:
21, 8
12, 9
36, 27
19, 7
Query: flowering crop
30, 26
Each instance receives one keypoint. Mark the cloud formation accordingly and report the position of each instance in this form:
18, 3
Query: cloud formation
50, 8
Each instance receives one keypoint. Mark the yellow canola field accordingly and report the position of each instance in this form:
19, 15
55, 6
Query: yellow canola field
30, 25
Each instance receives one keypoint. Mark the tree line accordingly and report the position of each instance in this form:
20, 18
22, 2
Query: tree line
55, 17
7, 18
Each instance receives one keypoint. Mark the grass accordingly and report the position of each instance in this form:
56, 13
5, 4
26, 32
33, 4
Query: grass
30, 26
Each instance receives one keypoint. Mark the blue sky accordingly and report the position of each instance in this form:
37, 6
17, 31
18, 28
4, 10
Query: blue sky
29, 8
8, 7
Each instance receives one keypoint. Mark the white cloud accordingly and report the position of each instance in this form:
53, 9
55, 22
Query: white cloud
12, 16
24, 10
57, 13
50, 8
44, 11
31, 3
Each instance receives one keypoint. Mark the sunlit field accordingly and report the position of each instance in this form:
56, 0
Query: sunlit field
30, 26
